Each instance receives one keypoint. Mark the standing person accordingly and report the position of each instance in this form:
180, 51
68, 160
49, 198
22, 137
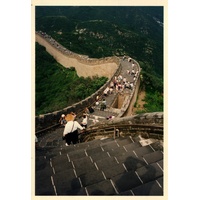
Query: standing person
97, 98
103, 105
62, 120
84, 121
70, 134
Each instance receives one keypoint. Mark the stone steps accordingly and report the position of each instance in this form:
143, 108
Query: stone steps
100, 167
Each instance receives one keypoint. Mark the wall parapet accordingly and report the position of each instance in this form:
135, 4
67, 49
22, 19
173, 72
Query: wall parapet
49, 119
81, 58
45, 120
144, 118
148, 125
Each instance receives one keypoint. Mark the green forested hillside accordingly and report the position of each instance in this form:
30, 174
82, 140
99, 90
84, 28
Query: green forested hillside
58, 87
106, 31
111, 30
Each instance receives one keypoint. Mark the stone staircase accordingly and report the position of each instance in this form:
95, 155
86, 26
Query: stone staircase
123, 166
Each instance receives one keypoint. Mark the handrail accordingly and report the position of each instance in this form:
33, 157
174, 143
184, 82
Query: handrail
113, 129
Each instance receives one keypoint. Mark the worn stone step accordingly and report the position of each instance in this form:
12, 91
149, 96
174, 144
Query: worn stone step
76, 154
141, 151
133, 163
130, 161
43, 186
157, 146
126, 181
124, 141
160, 163
153, 157
116, 151
91, 178
99, 156
102, 188
115, 170
44, 170
61, 163
151, 188
47, 152
83, 145
77, 192
106, 140
50, 140
41, 162
101, 167
66, 181
160, 181
91, 151
43, 183
149, 172
83, 165
110, 145
105, 163
127, 193
67, 149
132, 146
59, 160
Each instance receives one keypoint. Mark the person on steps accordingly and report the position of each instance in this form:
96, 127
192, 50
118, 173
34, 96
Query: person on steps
84, 121
62, 120
70, 133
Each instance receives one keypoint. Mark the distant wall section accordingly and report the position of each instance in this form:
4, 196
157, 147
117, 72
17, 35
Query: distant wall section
85, 66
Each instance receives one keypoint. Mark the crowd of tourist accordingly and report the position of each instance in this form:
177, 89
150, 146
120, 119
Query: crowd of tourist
117, 85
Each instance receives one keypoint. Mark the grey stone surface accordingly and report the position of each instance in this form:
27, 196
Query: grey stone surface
119, 172
150, 188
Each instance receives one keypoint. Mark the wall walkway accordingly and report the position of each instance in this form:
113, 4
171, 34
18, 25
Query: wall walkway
129, 95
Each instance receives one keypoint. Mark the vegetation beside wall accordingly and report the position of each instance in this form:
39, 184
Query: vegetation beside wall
58, 87
100, 31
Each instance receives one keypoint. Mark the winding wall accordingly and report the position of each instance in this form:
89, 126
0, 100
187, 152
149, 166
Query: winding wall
84, 66
49, 119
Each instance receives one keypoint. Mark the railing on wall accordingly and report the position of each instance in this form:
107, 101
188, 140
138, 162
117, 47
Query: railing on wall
149, 124
120, 130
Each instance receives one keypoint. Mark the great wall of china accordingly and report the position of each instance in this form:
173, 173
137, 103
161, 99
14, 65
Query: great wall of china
109, 67
121, 156
84, 65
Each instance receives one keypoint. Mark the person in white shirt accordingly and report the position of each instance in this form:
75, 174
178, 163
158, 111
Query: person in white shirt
70, 133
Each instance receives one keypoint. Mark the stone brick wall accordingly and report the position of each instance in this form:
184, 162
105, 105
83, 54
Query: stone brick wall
92, 66
50, 119
156, 118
